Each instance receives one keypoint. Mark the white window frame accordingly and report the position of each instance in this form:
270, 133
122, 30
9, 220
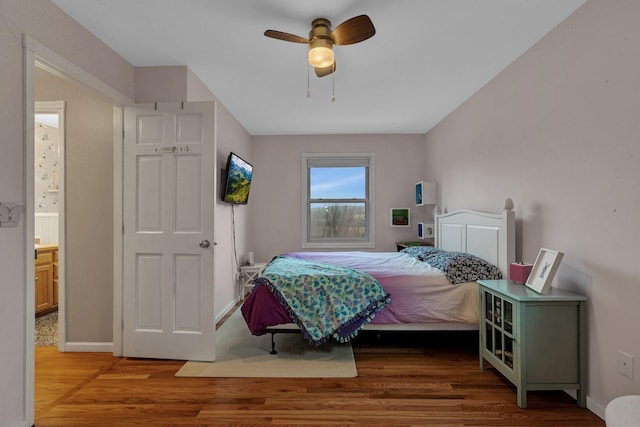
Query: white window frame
335, 160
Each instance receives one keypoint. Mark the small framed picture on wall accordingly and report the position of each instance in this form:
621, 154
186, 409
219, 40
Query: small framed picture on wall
400, 217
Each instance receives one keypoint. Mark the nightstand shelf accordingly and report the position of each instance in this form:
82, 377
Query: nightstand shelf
536, 341
403, 245
248, 273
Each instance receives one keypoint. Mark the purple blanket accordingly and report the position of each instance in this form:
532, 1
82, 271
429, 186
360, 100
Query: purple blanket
419, 292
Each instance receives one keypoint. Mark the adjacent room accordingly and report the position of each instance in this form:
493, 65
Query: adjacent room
208, 158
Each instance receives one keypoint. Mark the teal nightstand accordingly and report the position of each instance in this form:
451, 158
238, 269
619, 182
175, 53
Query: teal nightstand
538, 342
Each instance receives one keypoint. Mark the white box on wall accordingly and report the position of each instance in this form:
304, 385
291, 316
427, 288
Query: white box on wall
426, 193
429, 231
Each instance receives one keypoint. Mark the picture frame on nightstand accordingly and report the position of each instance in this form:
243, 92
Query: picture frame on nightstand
543, 271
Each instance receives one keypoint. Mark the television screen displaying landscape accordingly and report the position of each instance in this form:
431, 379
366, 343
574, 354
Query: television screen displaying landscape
239, 174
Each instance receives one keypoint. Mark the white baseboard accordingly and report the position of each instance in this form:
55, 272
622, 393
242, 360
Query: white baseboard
226, 310
88, 347
592, 405
595, 407
107, 347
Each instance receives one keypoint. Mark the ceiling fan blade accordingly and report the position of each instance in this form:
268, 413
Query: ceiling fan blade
325, 71
353, 30
286, 36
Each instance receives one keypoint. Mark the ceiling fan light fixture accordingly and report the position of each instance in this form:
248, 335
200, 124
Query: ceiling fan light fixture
321, 57
322, 39
320, 53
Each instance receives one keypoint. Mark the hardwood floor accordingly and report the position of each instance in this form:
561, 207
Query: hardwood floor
403, 380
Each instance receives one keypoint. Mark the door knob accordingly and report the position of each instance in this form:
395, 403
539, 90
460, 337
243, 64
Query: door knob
205, 244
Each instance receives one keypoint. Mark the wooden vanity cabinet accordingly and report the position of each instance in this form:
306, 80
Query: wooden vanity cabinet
46, 285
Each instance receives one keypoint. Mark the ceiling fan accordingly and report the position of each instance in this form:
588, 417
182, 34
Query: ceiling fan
322, 38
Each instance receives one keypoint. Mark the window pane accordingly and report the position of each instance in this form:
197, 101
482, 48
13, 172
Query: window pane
338, 200
337, 221
337, 182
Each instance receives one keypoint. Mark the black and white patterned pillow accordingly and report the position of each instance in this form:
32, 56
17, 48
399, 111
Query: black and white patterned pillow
460, 267
420, 252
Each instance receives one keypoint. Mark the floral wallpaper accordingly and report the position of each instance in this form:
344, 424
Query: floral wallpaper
47, 161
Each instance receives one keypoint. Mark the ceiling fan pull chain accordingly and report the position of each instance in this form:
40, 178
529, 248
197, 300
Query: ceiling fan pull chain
333, 83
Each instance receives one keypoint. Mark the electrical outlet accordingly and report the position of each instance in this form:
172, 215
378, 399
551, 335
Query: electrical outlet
625, 364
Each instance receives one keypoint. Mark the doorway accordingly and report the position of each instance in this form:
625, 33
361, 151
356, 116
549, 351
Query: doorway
86, 253
49, 212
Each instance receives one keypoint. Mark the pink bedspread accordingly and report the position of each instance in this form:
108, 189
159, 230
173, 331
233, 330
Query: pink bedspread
419, 293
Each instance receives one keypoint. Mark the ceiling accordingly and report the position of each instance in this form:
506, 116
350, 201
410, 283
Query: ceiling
427, 57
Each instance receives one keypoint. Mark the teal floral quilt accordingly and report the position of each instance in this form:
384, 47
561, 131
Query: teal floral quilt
325, 300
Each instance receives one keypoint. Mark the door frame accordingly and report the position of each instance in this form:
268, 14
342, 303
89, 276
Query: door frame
36, 54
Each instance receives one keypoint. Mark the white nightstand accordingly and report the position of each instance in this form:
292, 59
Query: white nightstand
248, 273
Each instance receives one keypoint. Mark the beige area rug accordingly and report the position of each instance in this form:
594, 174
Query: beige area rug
240, 354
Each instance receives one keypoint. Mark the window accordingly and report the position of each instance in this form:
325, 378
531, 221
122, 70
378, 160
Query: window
337, 200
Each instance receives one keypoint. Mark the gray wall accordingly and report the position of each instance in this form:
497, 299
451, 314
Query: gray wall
276, 194
88, 206
558, 132
230, 136
89, 210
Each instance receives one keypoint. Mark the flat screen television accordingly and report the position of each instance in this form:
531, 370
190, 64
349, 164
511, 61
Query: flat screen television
237, 181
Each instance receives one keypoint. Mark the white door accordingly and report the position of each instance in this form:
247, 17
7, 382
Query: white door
169, 182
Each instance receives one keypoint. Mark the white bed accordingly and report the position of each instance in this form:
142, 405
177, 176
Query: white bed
490, 236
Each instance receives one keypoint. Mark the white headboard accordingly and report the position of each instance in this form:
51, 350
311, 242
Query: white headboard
491, 237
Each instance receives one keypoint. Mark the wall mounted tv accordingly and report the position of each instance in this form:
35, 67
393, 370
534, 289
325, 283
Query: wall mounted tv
238, 180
